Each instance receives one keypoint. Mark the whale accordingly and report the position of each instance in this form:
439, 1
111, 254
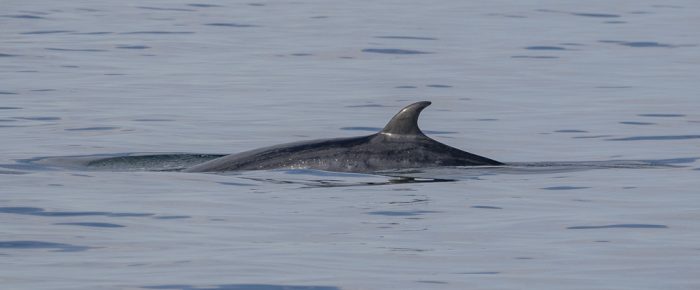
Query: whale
399, 145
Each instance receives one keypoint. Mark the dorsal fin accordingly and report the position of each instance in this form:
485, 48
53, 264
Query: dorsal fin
405, 122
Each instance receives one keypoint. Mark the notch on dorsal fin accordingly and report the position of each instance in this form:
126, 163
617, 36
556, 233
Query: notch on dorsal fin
405, 122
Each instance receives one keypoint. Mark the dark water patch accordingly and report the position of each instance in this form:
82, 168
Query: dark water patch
7, 93
93, 33
70, 66
656, 138
23, 16
637, 123
172, 217
599, 15
200, 5
414, 201
256, 4
366, 106
535, 56
27, 245
615, 22
91, 224
301, 54
39, 118
662, 115
241, 287
394, 51
105, 128
43, 90
157, 32
431, 282
480, 273
7, 55
641, 44
486, 207
524, 258
570, 131
76, 49
591, 137
602, 241
132, 47
645, 44
46, 32
153, 120
37, 211
11, 171
438, 86
624, 226
318, 17
166, 9
564, 187
236, 183
7, 120
402, 213
405, 87
545, 47
406, 37
230, 24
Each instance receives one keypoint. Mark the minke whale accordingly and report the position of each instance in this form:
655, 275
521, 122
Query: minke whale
400, 145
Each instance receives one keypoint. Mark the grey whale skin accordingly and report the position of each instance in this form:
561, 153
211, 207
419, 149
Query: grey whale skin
400, 145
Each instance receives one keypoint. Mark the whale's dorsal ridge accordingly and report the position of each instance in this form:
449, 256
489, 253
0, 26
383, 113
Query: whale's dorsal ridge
405, 122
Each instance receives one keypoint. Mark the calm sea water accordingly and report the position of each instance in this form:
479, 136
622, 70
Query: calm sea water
517, 81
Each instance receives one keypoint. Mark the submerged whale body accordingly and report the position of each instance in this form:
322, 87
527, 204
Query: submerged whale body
400, 145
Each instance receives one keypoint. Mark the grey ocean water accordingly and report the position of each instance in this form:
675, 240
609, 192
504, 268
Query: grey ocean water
589, 82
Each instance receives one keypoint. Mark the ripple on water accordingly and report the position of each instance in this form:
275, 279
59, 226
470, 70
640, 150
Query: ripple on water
166, 9
637, 123
133, 46
46, 32
640, 44
23, 16
92, 224
402, 213
598, 15
624, 226
656, 138
241, 287
25, 245
662, 115
394, 51
158, 32
564, 187
486, 207
545, 47
37, 211
406, 37
203, 5
535, 56
230, 24
76, 49
105, 128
